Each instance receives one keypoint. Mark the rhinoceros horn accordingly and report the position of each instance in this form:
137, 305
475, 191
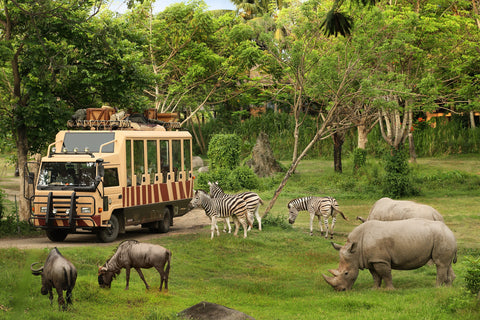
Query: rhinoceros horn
330, 280
38, 271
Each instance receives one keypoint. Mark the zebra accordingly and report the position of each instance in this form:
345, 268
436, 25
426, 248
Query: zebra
252, 200
316, 206
222, 208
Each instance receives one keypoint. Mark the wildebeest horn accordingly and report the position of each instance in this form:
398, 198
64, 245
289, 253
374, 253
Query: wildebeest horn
36, 271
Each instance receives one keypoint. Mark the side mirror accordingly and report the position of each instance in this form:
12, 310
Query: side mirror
31, 178
101, 168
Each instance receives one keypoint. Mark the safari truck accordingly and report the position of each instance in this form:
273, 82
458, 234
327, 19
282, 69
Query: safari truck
102, 181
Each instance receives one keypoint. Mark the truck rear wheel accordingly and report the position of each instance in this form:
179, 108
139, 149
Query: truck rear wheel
56, 235
109, 233
164, 225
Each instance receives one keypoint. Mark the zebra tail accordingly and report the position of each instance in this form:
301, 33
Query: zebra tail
343, 216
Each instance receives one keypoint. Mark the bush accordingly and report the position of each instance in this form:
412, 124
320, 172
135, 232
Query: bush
224, 151
229, 180
359, 158
397, 182
472, 277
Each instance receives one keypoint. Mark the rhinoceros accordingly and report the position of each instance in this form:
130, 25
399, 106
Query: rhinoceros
381, 246
387, 209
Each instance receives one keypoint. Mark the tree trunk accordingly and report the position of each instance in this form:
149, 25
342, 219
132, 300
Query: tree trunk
22, 154
362, 136
472, 119
338, 139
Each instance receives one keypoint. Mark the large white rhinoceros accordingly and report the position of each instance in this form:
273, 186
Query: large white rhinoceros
381, 246
387, 209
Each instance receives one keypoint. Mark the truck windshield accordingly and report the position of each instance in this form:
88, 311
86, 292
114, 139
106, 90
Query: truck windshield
66, 175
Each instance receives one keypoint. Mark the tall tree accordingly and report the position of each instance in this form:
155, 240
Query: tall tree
56, 58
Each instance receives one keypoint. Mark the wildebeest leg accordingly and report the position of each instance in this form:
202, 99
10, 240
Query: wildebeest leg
139, 271
50, 295
377, 280
69, 296
163, 277
61, 301
127, 275
385, 272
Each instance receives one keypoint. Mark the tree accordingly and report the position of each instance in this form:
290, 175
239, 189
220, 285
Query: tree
56, 58
291, 61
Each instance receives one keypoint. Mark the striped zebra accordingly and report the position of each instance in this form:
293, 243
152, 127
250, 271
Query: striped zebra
252, 200
222, 208
316, 206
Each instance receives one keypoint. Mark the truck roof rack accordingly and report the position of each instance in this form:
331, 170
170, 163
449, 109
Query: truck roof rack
115, 124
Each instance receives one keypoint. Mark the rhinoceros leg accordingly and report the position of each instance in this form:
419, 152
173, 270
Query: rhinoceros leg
384, 271
445, 274
377, 280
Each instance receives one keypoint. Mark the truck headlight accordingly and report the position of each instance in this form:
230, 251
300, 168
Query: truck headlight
86, 210
43, 209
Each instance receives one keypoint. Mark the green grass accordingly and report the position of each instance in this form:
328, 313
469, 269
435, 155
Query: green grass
275, 273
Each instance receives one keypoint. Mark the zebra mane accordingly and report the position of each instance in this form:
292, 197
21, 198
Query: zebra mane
296, 200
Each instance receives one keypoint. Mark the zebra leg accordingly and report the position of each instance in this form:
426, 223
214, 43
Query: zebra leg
243, 220
334, 219
250, 220
259, 219
214, 227
325, 222
312, 217
227, 223
237, 225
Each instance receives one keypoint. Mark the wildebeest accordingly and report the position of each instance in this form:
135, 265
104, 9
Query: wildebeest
381, 246
58, 273
387, 209
134, 254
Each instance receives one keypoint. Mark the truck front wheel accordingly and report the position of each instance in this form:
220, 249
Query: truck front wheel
109, 233
56, 235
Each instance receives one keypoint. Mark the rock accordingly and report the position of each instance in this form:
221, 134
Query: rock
203, 169
209, 311
263, 162
197, 162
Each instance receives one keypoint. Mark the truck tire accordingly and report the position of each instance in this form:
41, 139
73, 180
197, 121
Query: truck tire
164, 225
110, 233
57, 235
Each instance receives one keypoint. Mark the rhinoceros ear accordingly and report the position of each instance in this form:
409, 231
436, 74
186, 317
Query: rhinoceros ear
336, 246
351, 247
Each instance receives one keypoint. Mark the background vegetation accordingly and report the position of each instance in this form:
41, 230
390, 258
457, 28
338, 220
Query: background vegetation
276, 273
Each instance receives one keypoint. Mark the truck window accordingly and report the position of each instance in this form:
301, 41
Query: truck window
128, 153
164, 159
176, 158
138, 160
187, 157
152, 159
111, 178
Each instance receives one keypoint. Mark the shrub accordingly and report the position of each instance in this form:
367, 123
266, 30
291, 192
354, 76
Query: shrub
397, 182
359, 158
245, 178
472, 276
224, 151
229, 180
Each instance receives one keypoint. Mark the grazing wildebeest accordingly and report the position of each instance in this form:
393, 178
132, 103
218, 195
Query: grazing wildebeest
381, 246
387, 209
134, 254
58, 273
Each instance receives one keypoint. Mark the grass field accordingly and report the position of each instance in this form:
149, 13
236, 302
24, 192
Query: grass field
275, 273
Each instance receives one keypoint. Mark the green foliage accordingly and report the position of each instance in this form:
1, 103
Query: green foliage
472, 276
397, 182
359, 158
240, 178
224, 151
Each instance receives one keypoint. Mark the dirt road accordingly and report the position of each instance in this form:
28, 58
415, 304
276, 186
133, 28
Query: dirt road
192, 222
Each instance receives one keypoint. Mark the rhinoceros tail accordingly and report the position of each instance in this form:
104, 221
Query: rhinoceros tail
455, 257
